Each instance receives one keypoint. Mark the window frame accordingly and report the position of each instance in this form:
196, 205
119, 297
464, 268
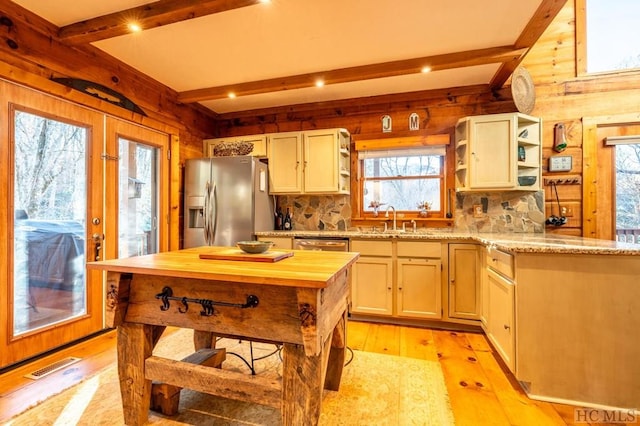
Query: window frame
363, 213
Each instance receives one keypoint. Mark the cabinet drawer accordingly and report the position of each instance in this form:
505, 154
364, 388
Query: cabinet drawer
501, 262
419, 249
371, 247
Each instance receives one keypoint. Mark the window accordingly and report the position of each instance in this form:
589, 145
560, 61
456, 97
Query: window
627, 187
609, 39
404, 179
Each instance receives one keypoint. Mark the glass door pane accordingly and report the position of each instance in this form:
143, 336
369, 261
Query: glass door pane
137, 199
50, 205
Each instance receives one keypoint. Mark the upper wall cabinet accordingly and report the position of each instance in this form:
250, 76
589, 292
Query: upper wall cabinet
498, 152
311, 162
255, 145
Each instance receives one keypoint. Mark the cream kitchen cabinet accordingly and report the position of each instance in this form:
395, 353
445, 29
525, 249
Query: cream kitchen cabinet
259, 143
500, 324
372, 277
419, 280
464, 281
397, 279
310, 162
498, 152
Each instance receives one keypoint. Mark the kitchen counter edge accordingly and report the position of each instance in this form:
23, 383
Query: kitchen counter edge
514, 243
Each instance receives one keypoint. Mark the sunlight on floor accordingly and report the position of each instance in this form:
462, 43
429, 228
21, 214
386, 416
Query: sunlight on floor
77, 405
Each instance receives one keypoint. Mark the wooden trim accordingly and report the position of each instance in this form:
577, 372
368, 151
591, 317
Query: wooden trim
174, 193
399, 142
603, 82
581, 37
589, 178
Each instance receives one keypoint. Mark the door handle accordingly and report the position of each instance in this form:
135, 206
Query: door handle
214, 212
207, 221
97, 239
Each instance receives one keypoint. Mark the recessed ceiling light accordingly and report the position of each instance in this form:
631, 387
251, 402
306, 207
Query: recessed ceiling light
319, 83
231, 95
134, 28
426, 69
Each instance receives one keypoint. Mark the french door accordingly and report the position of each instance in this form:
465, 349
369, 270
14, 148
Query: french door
81, 186
53, 173
137, 206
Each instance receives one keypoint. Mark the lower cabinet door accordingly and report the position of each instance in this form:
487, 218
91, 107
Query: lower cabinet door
419, 288
464, 282
372, 286
500, 317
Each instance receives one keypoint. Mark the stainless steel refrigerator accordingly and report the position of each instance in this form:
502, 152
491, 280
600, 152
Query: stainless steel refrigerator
226, 200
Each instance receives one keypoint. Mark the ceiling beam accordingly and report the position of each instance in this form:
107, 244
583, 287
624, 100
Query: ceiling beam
364, 72
539, 22
151, 15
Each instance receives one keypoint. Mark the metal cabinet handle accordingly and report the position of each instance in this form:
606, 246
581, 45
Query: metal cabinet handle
506, 327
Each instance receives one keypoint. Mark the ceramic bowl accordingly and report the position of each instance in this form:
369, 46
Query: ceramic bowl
526, 180
254, 247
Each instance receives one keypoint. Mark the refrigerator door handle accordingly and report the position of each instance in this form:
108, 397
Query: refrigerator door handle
213, 214
205, 216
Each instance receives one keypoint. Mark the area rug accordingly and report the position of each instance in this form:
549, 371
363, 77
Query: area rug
375, 389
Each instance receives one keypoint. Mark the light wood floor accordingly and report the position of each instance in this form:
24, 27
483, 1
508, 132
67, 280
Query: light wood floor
480, 390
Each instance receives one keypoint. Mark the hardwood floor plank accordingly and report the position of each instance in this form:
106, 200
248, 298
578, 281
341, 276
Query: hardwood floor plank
384, 339
479, 342
472, 397
417, 343
520, 410
357, 334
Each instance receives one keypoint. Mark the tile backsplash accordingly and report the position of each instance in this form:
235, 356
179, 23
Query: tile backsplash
318, 212
490, 212
500, 212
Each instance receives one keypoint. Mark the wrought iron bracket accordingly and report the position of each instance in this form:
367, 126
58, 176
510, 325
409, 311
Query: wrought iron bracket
207, 304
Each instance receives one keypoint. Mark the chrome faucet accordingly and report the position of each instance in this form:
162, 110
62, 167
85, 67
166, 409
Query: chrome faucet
415, 226
395, 227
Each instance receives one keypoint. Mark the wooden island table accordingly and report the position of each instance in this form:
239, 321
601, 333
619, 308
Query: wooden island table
299, 302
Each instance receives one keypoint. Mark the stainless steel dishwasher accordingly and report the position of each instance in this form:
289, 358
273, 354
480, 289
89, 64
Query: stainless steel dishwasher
321, 243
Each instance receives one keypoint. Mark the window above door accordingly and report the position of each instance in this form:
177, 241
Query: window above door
607, 36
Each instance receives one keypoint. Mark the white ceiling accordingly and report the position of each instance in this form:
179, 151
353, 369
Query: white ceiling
292, 37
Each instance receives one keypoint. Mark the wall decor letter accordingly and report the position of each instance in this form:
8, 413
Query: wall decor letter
414, 121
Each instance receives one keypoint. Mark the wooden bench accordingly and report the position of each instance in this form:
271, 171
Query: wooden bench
165, 398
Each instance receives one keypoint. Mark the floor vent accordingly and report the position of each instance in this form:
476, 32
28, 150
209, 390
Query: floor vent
51, 368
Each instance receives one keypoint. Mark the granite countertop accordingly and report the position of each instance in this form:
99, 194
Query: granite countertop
514, 243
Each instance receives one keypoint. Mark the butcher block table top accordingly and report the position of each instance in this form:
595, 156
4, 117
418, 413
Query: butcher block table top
299, 302
313, 269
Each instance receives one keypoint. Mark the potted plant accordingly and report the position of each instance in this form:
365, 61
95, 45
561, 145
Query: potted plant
375, 205
424, 207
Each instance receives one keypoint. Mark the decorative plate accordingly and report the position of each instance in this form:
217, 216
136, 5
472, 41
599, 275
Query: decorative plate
522, 90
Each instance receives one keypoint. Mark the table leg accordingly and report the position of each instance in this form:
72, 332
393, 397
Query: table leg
337, 355
301, 386
135, 345
203, 340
